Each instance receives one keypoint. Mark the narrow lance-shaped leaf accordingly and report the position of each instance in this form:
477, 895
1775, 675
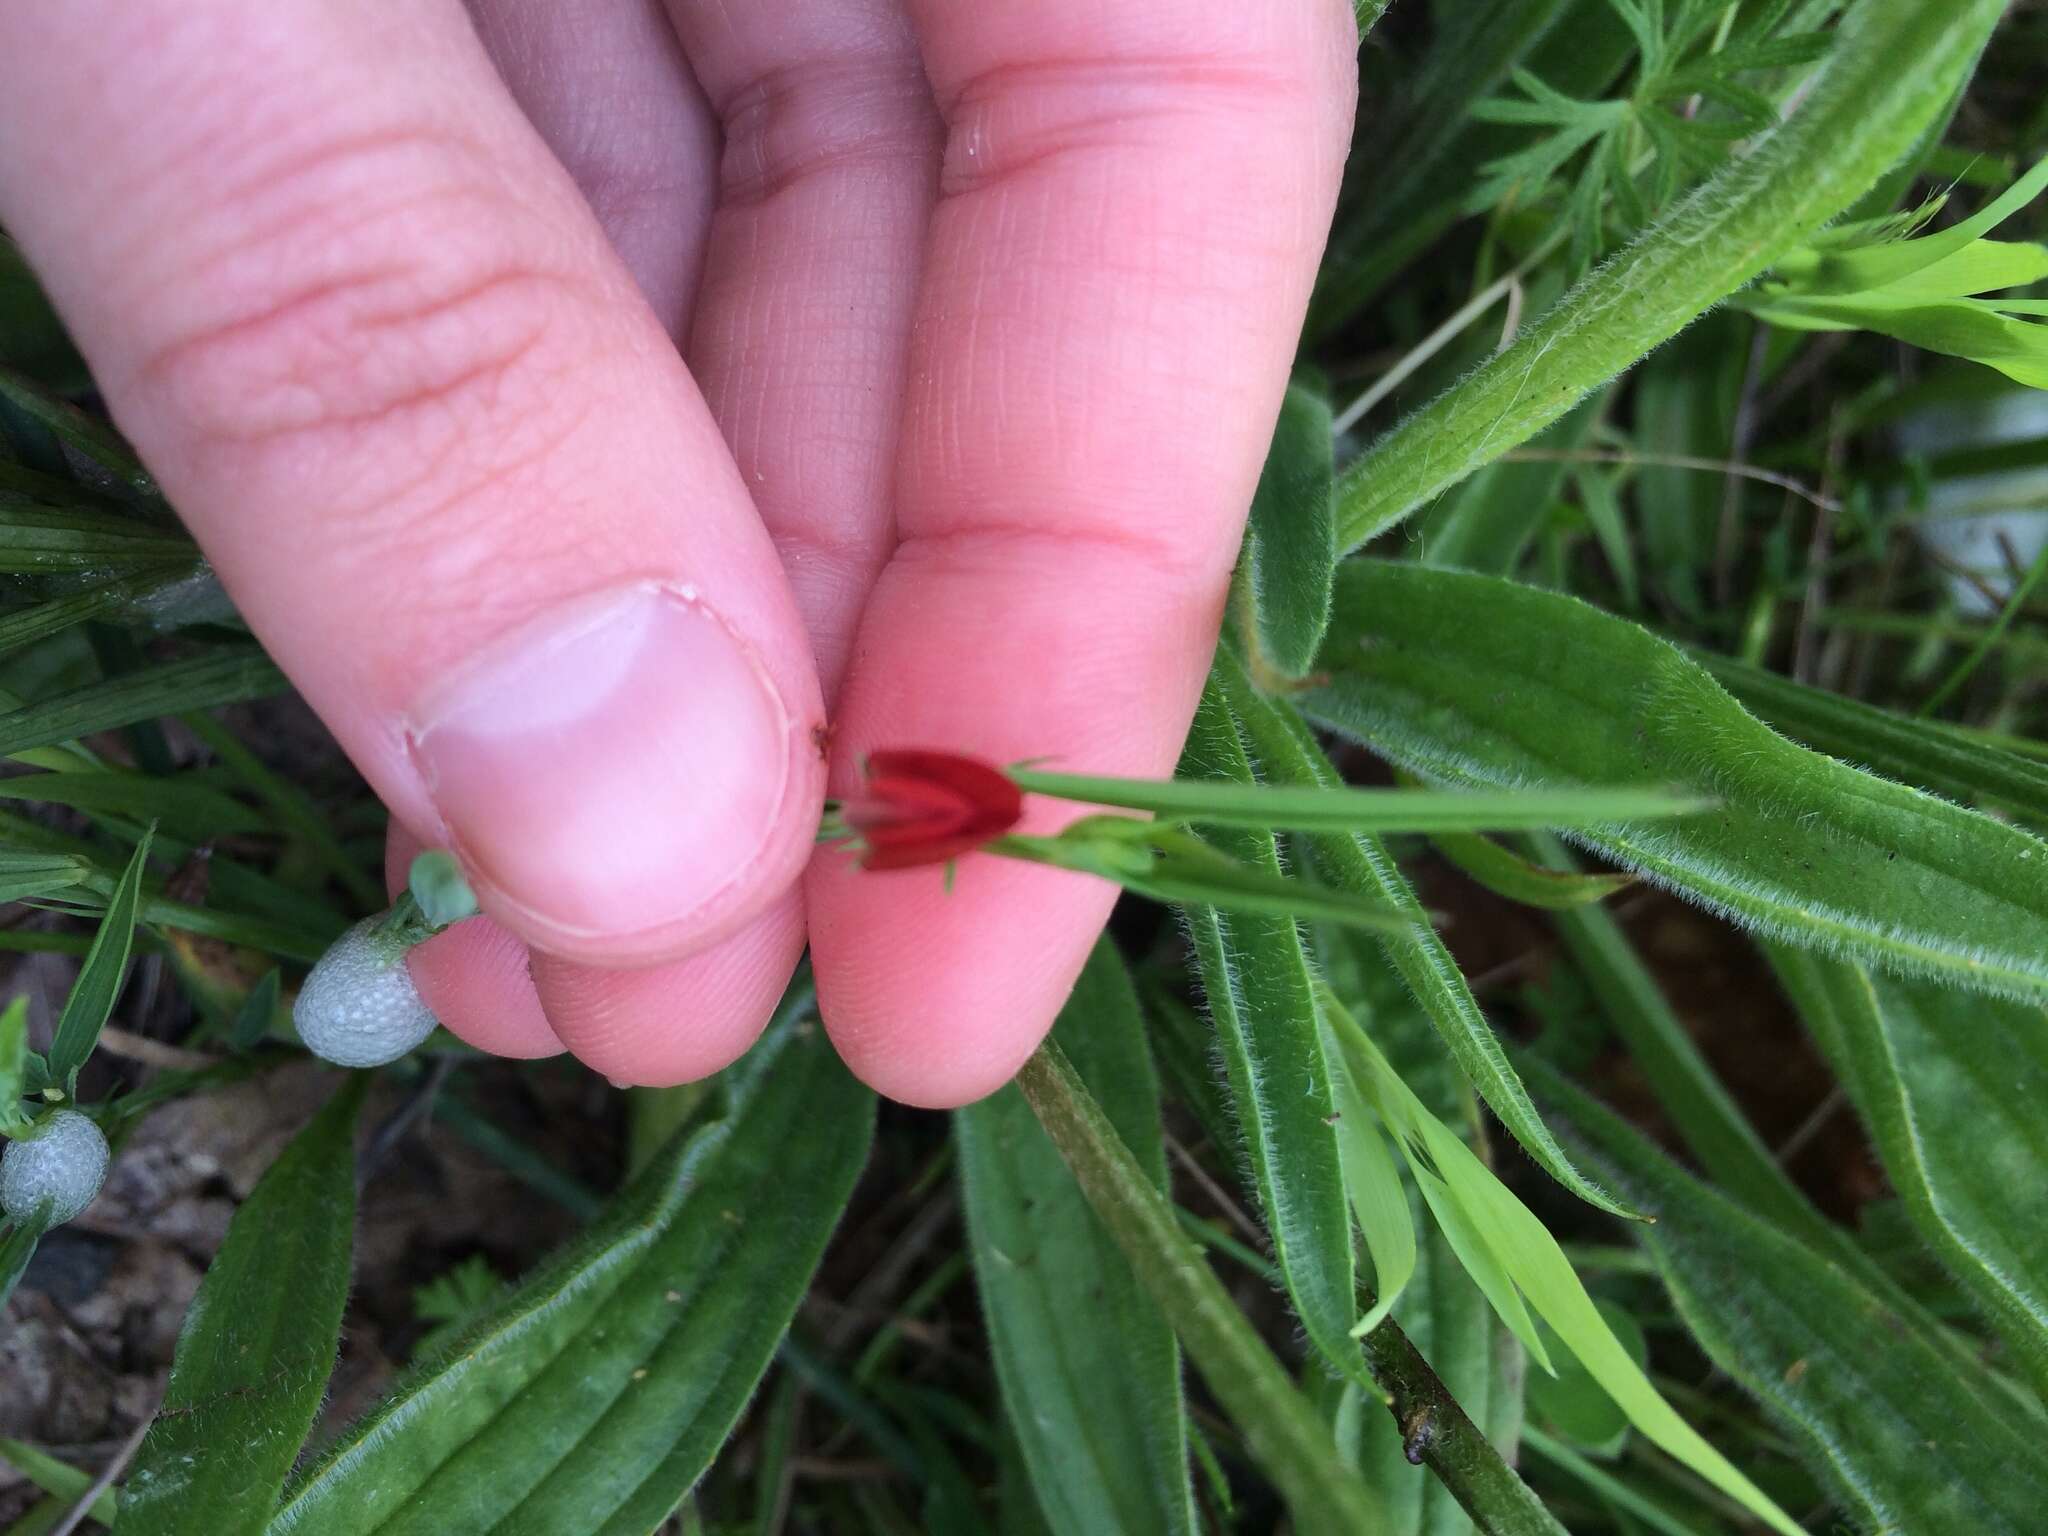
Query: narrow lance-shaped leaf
1513, 1258
1951, 1086
1255, 975
1894, 67
1907, 1444
1089, 1370
228, 676
1923, 753
1506, 874
59, 1479
1351, 862
258, 1344
1290, 539
99, 979
1464, 679
13, 1066
598, 1391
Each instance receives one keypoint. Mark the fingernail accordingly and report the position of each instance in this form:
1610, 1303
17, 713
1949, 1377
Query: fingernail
609, 769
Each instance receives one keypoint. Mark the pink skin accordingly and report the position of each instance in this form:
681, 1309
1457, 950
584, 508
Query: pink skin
919, 355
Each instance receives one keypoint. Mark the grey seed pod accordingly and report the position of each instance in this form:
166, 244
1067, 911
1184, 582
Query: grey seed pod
63, 1160
358, 1007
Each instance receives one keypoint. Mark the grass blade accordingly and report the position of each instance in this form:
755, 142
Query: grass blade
229, 676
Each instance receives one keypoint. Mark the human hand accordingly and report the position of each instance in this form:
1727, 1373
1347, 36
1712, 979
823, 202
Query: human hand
585, 402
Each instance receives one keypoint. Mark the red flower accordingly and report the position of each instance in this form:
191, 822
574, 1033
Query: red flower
920, 807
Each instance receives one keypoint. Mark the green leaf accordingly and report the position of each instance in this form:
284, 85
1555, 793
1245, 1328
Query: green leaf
16, 1250
1382, 812
1089, 1371
1908, 1445
26, 875
1690, 1095
438, 885
92, 448
1506, 874
1951, 1086
1573, 1404
1451, 1323
100, 978
1802, 848
597, 1393
1862, 268
1288, 754
1373, 1186
1922, 753
186, 808
57, 1478
1487, 522
13, 1066
227, 676
1281, 1430
1895, 66
258, 1014
1290, 539
1256, 979
1977, 329
36, 539
1512, 1257
258, 1344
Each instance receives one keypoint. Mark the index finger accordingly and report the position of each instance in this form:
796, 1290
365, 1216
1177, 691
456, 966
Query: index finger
1132, 204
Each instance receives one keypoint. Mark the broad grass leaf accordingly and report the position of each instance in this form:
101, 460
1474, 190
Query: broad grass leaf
1089, 1370
1951, 1086
1471, 680
1907, 1443
1256, 979
258, 1345
100, 978
597, 1393
1290, 538
1373, 1185
37, 539
182, 805
1288, 754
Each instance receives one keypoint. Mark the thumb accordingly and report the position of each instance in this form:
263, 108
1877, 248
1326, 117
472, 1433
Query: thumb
450, 468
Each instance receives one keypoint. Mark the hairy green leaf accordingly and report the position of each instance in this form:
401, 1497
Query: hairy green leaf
258, 1344
596, 1394
1894, 67
1255, 975
1466, 679
1290, 539
1288, 754
1922, 753
1907, 1444
1089, 1371
1951, 1086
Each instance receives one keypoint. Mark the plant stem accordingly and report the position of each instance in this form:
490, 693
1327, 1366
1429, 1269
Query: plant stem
1281, 1430
1895, 66
1436, 1432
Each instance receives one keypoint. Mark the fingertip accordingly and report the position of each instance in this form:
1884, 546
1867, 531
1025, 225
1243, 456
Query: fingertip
676, 1023
935, 997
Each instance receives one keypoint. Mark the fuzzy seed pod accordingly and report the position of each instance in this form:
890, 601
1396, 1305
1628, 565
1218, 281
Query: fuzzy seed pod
358, 1007
63, 1161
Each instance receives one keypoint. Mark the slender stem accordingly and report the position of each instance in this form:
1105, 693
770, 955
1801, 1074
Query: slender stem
1436, 1432
1895, 66
1281, 1430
